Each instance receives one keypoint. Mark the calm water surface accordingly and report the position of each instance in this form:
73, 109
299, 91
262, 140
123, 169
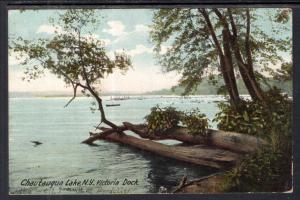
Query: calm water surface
62, 156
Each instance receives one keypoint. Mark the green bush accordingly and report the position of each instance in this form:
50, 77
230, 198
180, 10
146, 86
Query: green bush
264, 171
248, 120
162, 119
268, 169
256, 117
195, 121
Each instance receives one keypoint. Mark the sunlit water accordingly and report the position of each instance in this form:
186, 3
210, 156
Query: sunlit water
61, 156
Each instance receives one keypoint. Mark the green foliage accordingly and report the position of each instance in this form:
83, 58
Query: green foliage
72, 54
190, 52
270, 168
264, 171
210, 85
283, 15
285, 73
248, 120
255, 117
195, 121
183, 42
162, 119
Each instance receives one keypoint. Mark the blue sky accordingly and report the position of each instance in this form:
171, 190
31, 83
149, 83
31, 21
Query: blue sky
119, 29
126, 29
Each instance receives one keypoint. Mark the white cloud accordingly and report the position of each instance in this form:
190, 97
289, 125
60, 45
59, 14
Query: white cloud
116, 28
140, 80
135, 81
141, 28
49, 29
49, 82
140, 49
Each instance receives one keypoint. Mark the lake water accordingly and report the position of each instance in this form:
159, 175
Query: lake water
63, 158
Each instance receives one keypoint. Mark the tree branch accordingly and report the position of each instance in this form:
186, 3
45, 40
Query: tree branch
234, 30
56, 68
211, 29
74, 85
234, 41
93, 137
83, 86
219, 14
74, 94
90, 89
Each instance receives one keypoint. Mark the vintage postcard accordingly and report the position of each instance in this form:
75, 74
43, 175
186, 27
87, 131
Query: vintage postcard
150, 100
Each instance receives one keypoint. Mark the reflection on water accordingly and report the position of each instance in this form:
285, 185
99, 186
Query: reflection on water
61, 156
166, 172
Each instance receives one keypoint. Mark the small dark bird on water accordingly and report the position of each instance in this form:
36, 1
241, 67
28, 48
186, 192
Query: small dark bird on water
36, 143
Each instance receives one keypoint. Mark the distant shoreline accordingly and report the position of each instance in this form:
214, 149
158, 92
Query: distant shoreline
130, 97
40, 95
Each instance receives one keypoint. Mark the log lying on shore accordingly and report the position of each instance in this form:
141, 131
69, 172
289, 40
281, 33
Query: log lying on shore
223, 139
228, 140
219, 149
198, 154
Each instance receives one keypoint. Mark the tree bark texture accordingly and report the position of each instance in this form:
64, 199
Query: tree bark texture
197, 154
217, 149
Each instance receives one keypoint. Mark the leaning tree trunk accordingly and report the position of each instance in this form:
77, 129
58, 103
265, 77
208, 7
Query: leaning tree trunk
218, 149
199, 154
247, 74
250, 82
228, 69
230, 87
225, 60
221, 139
245, 67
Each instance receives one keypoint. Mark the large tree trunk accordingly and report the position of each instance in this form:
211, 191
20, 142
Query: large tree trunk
199, 154
229, 81
245, 66
228, 69
222, 139
225, 60
250, 82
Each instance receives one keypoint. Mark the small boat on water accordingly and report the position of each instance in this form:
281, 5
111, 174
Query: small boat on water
119, 98
116, 104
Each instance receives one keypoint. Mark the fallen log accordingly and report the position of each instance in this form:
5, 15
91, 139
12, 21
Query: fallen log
223, 139
207, 184
219, 149
198, 154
